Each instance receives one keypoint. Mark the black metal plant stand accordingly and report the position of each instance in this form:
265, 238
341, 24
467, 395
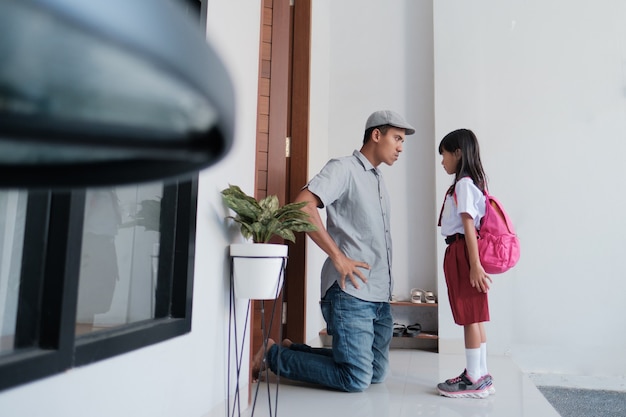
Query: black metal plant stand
233, 337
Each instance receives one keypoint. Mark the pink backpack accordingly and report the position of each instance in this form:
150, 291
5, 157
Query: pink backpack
498, 245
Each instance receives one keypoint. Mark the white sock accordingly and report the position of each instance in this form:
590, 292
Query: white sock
472, 357
483, 359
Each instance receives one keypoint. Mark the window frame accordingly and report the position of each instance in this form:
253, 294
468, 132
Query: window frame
45, 340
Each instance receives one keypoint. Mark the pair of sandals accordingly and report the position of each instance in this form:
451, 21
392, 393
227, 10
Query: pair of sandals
420, 296
402, 330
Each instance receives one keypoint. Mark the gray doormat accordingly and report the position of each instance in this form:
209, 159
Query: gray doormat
571, 402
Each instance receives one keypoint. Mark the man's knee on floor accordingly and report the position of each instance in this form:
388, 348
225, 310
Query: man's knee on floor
378, 380
379, 376
357, 381
357, 386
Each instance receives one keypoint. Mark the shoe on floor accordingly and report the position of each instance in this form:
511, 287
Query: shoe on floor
490, 388
463, 387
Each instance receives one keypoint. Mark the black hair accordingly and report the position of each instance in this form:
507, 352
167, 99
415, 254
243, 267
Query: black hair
368, 132
469, 165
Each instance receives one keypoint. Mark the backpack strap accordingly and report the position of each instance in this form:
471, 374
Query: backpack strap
443, 205
497, 209
441, 212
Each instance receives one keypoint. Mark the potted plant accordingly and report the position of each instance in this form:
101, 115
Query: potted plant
258, 267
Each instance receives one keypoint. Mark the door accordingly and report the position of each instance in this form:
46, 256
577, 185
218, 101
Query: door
282, 143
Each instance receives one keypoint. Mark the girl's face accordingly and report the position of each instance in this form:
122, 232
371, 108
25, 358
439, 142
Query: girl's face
450, 160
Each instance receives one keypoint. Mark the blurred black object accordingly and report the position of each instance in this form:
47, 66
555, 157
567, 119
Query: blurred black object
108, 92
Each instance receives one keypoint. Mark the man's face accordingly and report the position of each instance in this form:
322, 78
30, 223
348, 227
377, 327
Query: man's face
389, 144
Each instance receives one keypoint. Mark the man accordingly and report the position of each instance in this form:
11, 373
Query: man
356, 277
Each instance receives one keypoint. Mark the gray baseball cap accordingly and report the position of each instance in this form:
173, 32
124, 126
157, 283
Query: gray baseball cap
388, 117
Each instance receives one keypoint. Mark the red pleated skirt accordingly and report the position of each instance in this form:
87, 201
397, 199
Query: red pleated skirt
468, 304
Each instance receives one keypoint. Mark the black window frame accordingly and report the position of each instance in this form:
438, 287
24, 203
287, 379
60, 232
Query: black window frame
45, 341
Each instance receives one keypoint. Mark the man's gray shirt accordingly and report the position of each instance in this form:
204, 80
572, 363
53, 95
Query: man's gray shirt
357, 209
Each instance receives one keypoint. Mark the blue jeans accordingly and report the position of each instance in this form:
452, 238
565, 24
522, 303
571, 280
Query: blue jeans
361, 332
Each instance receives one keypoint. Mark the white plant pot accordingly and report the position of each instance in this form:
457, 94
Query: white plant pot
258, 269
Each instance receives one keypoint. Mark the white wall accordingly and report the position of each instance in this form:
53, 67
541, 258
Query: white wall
185, 376
543, 85
318, 150
381, 59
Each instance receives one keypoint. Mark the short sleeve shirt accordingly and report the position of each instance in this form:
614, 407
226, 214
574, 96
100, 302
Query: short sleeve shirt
357, 218
469, 199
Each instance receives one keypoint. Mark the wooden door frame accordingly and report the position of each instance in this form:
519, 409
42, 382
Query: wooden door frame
298, 164
287, 112
279, 99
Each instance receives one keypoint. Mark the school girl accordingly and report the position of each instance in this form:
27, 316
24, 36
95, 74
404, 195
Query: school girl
467, 282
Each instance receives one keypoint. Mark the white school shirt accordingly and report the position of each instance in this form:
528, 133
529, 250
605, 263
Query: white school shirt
470, 200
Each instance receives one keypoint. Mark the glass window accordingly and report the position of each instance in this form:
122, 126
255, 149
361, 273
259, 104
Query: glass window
12, 218
119, 257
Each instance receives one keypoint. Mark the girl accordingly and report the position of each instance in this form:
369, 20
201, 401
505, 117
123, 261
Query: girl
467, 282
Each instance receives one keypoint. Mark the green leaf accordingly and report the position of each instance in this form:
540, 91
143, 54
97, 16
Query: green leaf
269, 203
287, 235
264, 219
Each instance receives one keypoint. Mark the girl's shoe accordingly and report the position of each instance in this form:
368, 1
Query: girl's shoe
490, 388
463, 387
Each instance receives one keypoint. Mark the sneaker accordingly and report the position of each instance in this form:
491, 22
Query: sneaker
463, 387
490, 388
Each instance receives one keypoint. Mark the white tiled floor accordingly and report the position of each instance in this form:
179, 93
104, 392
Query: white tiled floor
410, 391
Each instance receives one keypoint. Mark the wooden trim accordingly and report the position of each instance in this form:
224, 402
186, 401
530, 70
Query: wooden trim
278, 100
298, 166
271, 129
284, 111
